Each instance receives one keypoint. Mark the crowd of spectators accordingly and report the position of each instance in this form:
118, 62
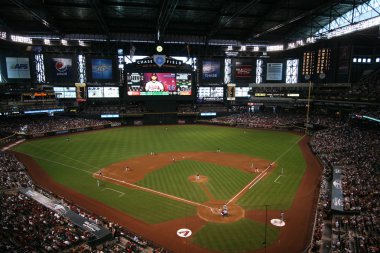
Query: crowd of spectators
43, 124
28, 226
355, 149
367, 88
352, 147
261, 120
12, 173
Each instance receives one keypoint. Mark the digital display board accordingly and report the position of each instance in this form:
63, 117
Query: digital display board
211, 70
103, 92
243, 71
18, 67
111, 92
159, 84
65, 92
101, 69
210, 93
274, 71
242, 92
95, 92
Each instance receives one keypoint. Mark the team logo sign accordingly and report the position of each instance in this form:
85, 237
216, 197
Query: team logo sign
184, 232
159, 59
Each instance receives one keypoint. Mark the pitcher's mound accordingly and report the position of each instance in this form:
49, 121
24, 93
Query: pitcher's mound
198, 179
211, 212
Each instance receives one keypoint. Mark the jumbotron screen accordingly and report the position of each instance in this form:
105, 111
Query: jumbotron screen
159, 84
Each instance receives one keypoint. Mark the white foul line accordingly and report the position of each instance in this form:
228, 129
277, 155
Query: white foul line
257, 180
123, 182
278, 158
156, 192
121, 193
261, 175
79, 161
253, 182
89, 172
277, 179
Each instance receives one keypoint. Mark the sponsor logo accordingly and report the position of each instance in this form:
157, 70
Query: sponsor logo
144, 61
103, 68
20, 66
184, 232
60, 66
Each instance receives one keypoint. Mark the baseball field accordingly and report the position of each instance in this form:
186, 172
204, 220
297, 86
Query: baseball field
156, 180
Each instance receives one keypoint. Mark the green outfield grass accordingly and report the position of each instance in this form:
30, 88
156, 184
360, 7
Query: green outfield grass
243, 235
72, 163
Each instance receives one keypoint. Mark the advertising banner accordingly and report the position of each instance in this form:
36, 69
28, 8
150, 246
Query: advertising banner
336, 190
18, 67
101, 69
75, 218
211, 70
243, 71
274, 71
62, 69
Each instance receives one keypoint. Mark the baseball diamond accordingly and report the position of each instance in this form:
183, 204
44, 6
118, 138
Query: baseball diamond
156, 196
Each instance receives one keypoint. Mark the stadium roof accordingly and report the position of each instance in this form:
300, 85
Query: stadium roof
217, 22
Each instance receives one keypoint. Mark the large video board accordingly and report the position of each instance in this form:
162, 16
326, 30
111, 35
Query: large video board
159, 84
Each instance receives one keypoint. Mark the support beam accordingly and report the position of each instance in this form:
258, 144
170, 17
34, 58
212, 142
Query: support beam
166, 13
310, 13
44, 20
220, 23
99, 14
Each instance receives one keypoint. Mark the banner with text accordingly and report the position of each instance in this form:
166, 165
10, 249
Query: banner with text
75, 218
62, 69
336, 190
18, 67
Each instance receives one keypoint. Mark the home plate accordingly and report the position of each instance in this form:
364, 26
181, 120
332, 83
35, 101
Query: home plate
277, 222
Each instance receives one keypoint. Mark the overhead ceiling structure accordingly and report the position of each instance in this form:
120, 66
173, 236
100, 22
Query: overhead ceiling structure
216, 22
